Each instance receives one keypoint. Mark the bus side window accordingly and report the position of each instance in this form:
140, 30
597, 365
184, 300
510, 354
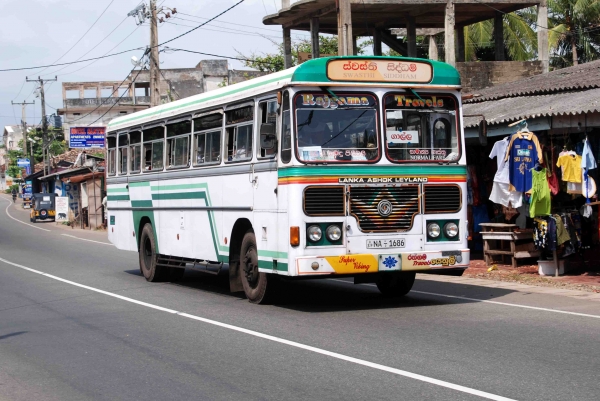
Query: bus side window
123, 147
135, 151
154, 141
239, 134
112, 160
286, 129
207, 139
268, 115
178, 141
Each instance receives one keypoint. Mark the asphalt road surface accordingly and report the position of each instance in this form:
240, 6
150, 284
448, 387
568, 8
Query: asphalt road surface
79, 322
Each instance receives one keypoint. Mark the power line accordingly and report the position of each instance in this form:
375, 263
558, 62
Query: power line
220, 56
86, 32
235, 32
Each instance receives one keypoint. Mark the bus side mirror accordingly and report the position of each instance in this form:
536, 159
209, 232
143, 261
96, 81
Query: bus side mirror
483, 132
267, 136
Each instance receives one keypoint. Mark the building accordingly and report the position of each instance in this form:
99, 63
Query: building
96, 103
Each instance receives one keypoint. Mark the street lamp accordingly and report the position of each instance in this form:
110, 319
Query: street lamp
32, 140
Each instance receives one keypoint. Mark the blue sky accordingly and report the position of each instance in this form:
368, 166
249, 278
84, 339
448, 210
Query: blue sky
38, 32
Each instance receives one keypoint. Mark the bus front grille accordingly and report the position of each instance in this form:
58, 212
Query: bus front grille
324, 201
442, 198
368, 205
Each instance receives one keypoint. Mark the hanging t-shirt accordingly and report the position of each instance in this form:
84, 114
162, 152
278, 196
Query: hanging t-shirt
571, 167
499, 152
523, 153
540, 194
587, 158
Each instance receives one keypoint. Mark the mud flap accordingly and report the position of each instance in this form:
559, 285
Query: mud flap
235, 280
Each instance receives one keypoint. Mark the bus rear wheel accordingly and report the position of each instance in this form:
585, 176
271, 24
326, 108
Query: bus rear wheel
256, 284
149, 258
395, 284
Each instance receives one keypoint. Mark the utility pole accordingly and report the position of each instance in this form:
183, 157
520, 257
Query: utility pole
24, 124
154, 66
44, 121
141, 13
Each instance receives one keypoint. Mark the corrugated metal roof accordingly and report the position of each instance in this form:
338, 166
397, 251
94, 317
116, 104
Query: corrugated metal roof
583, 76
513, 109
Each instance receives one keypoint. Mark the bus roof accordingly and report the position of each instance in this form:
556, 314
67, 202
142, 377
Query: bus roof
313, 72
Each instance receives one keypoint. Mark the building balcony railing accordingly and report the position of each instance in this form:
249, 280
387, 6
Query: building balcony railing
107, 101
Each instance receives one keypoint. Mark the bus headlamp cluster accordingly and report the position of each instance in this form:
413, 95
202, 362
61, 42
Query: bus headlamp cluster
333, 233
433, 230
451, 229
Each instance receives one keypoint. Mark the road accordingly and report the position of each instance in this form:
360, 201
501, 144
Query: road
79, 322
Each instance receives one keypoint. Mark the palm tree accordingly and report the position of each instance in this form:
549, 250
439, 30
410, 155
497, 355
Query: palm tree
574, 34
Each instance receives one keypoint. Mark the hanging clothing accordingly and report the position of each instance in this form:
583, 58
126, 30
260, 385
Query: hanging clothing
540, 194
588, 160
523, 152
553, 184
571, 167
502, 195
562, 235
499, 152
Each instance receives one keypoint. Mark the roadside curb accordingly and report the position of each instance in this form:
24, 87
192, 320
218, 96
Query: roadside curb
584, 295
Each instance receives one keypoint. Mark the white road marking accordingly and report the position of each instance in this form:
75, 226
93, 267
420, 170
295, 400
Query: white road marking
321, 351
489, 302
89, 240
22, 222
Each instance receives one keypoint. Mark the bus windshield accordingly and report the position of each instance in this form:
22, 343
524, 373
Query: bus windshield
336, 129
421, 129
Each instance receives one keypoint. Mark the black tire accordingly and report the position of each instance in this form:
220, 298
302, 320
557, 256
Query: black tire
149, 258
256, 285
395, 284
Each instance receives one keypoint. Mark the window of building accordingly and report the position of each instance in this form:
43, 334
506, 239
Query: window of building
239, 134
135, 151
72, 93
178, 140
106, 92
207, 139
154, 143
90, 93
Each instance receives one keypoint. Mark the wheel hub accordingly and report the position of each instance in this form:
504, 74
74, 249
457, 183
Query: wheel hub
251, 266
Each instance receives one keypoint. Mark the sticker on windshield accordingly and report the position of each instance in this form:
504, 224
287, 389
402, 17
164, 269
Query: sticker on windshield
402, 136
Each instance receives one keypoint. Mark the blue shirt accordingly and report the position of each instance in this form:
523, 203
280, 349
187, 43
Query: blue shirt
524, 153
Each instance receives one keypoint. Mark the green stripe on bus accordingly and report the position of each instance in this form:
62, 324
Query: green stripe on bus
118, 197
141, 203
370, 170
116, 190
139, 184
268, 264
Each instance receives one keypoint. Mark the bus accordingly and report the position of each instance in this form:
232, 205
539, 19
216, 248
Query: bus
338, 167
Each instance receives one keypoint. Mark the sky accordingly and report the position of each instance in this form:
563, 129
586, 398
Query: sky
39, 32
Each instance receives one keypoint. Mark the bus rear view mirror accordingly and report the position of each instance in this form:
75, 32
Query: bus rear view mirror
483, 133
267, 136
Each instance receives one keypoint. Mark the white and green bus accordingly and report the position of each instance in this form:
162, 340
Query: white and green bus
339, 167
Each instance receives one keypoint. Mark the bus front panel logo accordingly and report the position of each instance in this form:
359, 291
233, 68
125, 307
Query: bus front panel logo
385, 208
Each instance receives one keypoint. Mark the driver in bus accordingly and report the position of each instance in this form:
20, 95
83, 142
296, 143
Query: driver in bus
316, 133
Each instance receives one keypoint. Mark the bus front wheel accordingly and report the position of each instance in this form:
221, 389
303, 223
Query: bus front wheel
395, 284
255, 283
148, 257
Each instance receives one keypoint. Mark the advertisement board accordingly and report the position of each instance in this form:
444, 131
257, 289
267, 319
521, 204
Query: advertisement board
27, 191
87, 137
62, 208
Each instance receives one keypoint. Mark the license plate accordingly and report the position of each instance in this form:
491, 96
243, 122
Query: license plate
385, 243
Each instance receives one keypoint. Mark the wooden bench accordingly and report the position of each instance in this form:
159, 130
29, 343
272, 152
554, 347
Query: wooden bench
504, 240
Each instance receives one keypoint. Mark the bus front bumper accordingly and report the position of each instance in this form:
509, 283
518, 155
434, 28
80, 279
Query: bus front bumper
418, 261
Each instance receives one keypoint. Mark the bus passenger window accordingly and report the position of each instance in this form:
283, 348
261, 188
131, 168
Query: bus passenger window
239, 134
268, 115
178, 137
286, 129
123, 147
135, 151
154, 141
112, 159
207, 139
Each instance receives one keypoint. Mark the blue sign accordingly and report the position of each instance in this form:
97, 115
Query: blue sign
87, 137
23, 162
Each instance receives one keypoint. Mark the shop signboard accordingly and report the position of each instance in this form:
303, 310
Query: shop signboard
24, 162
62, 208
87, 137
27, 191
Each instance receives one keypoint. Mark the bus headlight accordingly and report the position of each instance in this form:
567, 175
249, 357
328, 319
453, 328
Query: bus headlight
334, 233
451, 230
433, 230
314, 233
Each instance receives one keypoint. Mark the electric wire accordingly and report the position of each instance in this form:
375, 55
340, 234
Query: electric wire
86, 32
218, 55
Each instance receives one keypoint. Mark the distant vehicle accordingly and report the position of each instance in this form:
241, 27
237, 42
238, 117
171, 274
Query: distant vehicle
338, 167
43, 207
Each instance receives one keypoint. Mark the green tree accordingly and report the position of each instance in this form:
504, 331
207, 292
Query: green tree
13, 170
574, 34
272, 62
56, 143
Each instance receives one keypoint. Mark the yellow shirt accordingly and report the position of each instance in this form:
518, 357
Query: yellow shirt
571, 168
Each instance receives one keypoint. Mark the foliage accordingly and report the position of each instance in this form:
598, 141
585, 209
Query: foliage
13, 170
56, 145
574, 36
10, 188
272, 62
